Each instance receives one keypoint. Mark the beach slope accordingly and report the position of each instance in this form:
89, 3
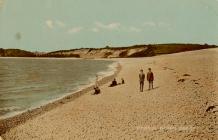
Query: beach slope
182, 105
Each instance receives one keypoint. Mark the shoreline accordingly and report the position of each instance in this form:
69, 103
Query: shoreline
11, 122
112, 68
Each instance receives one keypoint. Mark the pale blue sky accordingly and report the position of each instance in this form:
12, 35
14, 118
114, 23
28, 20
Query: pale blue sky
47, 25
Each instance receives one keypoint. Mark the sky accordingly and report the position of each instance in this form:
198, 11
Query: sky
48, 25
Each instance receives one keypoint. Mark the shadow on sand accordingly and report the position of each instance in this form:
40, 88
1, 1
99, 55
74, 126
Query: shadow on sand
153, 88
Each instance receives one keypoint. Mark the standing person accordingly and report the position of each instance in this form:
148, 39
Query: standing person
96, 86
141, 80
150, 78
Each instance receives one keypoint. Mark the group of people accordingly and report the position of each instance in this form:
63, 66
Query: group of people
113, 83
150, 79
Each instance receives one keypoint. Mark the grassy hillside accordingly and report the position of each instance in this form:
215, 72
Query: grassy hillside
110, 52
15, 53
175, 48
131, 51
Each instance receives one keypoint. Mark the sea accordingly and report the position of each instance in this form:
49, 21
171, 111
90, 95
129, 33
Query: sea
28, 83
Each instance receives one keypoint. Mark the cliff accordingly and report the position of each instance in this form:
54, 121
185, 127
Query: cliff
127, 52
110, 52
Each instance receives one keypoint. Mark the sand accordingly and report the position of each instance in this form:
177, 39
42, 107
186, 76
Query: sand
182, 105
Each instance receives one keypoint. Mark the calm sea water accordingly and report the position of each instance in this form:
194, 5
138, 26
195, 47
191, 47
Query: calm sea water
28, 83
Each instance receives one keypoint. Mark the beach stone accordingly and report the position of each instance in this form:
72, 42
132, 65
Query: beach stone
181, 80
210, 108
186, 75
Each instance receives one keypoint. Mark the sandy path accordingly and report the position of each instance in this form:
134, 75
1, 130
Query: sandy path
173, 110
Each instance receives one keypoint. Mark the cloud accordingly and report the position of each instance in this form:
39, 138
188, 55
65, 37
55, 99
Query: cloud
95, 30
134, 29
55, 23
163, 24
74, 30
114, 26
50, 24
156, 24
60, 23
149, 23
110, 26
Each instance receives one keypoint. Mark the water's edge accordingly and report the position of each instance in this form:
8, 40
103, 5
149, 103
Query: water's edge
8, 123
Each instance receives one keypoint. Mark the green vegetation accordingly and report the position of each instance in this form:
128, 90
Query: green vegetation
140, 50
175, 48
107, 52
15, 53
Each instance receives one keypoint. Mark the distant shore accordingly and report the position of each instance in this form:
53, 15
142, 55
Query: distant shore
143, 50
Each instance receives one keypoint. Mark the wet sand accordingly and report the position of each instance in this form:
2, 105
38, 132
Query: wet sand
182, 105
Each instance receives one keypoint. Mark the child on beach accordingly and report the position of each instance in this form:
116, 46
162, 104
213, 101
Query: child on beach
150, 79
141, 80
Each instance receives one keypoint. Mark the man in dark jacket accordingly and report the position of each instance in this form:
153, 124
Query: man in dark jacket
141, 80
150, 78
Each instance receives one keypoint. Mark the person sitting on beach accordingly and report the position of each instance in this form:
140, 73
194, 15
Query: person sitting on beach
97, 90
96, 86
114, 83
150, 79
